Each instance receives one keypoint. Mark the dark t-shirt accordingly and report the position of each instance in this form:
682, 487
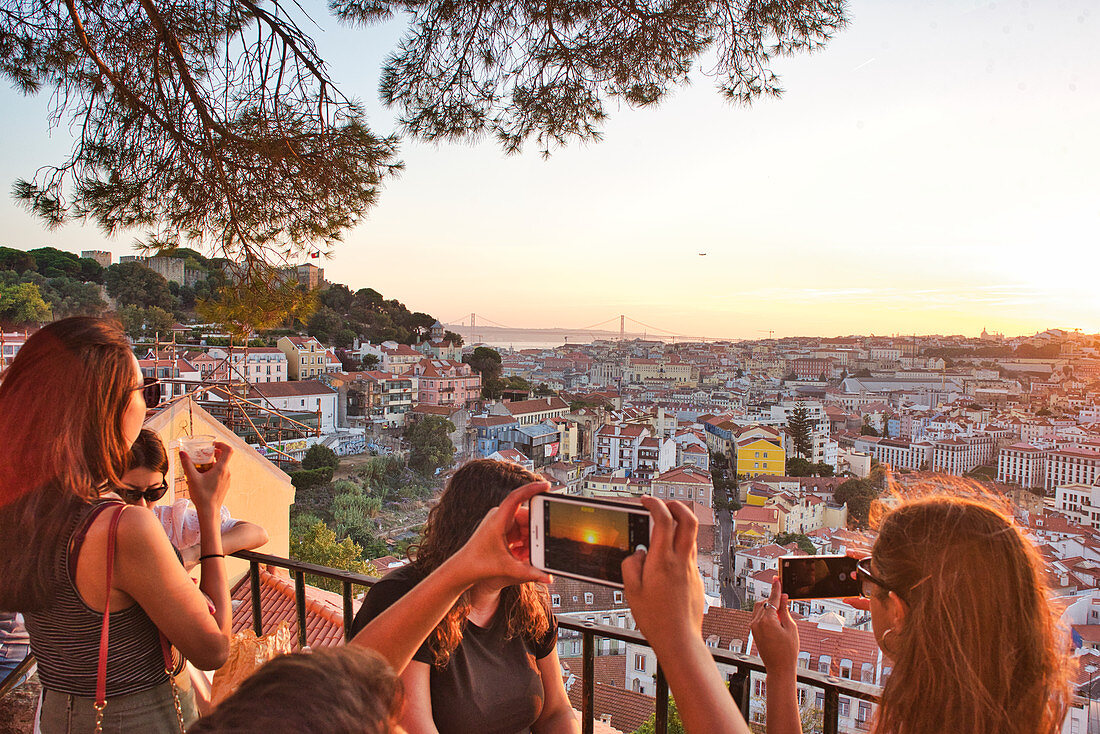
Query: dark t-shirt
491, 684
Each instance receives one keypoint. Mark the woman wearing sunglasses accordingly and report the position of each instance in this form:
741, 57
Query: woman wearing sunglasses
960, 607
144, 484
99, 585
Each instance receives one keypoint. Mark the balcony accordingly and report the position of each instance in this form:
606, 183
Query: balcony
831, 686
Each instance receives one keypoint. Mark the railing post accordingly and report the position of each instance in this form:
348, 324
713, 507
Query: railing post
588, 683
300, 606
257, 607
739, 690
832, 710
662, 702
348, 614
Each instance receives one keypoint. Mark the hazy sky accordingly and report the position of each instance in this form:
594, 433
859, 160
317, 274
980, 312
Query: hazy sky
936, 168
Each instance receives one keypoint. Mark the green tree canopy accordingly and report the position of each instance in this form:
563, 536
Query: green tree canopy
430, 446
800, 427
318, 457
145, 323
21, 304
858, 494
801, 539
133, 284
317, 543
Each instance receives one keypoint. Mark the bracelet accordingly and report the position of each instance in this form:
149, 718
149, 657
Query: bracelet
211, 555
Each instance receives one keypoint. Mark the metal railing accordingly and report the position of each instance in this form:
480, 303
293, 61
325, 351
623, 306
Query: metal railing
739, 680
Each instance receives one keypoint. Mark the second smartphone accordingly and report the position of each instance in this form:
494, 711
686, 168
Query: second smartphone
584, 538
818, 577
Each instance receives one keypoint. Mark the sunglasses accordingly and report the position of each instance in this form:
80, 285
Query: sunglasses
132, 496
151, 391
863, 571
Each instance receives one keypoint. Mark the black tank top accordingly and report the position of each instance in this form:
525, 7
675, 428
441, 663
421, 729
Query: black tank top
65, 634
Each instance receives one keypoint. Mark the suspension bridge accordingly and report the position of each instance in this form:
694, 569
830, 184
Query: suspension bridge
628, 327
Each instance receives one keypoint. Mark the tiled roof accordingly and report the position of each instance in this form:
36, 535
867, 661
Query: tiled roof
609, 669
293, 388
522, 407
324, 610
685, 475
628, 710
728, 624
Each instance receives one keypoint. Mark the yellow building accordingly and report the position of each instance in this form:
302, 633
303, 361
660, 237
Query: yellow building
760, 451
259, 491
306, 357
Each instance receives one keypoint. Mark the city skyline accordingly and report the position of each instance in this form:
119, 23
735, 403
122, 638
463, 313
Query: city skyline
937, 181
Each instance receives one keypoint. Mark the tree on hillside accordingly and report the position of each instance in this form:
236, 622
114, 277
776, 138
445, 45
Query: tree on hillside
21, 304
453, 337
430, 446
133, 284
145, 323
487, 363
858, 494
17, 260
316, 543
800, 427
70, 297
218, 123
804, 543
320, 457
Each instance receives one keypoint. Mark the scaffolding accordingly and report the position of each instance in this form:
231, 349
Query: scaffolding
235, 401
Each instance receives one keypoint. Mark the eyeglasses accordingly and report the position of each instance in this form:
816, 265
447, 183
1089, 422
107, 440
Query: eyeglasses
133, 495
863, 570
150, 390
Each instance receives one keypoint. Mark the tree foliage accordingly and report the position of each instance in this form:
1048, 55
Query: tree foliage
21, 304
801, 539
216, 123
320, 457
430, 446
799, 426
858, 494
134, 284
316, 543
146, 323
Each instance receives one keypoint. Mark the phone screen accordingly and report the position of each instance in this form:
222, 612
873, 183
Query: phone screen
591, 540
818, 577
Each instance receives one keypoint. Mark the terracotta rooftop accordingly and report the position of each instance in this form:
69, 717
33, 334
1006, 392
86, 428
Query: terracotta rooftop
324, 610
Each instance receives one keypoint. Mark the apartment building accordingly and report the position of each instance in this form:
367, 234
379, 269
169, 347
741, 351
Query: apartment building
392, 397
307, 358
760, 450
900, 454
961, 454
446, 382
1022, 464
617, 446
530, 412
685, 483
1071, 465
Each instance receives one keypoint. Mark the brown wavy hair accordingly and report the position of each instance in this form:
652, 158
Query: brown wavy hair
981, 649
473, 490
61, 405
342, 690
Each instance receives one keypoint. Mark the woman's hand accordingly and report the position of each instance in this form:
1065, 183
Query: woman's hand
500, 547
208, 489
662, 585
775, 632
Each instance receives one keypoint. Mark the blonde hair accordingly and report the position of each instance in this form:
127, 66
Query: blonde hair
981, 649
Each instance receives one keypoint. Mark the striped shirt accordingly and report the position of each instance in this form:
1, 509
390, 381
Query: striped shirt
65, 634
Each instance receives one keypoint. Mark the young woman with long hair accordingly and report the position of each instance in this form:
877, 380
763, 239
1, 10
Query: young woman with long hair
491, 664
71, 406
958, 603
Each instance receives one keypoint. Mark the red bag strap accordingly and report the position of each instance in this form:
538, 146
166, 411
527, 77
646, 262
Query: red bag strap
101, 673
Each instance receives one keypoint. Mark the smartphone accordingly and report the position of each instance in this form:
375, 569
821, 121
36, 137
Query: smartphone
818, 577
585, 538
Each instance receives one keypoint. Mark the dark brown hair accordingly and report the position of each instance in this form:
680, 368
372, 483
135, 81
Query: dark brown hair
61, 405
341, 690
477, 487
980, 649
148, 453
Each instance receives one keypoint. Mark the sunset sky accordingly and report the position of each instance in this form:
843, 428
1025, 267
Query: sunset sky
935, 169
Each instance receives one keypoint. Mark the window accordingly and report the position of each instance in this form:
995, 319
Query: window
867, 674
555, 600
639, 661
804, 660
618, 597
588, 598
845, 668
819, 700
863, 713
759, 688
824, 663
845, 706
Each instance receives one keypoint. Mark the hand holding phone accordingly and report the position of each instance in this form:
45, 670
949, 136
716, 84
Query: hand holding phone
585, 538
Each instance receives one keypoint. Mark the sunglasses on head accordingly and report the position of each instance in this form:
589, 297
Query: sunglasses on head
863, 571
132, 496
151, 391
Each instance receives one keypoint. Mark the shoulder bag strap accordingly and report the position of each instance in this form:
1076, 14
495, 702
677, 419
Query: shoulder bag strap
101, 672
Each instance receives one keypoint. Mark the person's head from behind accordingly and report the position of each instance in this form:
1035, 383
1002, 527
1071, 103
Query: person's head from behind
477, 487
960, 605
144, 481
342, 690
71, 406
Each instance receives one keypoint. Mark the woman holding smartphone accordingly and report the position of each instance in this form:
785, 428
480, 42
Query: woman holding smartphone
92, 573
491, 665
958, 603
